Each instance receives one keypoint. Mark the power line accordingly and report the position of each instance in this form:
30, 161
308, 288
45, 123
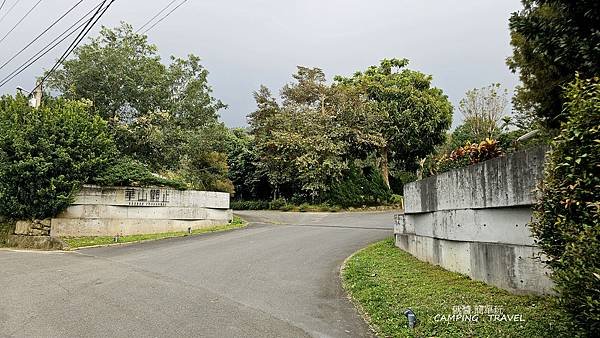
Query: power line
2, 5
78, 39
164, 17
41, 34
9, 10
50, 46
18, 22
154, 17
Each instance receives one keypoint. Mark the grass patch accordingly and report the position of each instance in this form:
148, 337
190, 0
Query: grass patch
384, 281
81, 242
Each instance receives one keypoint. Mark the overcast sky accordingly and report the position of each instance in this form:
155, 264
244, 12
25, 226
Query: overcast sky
245, 43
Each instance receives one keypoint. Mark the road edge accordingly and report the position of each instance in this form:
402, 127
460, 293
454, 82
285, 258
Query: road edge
361, 311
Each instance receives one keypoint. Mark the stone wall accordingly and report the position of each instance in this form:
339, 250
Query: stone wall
474, 220
111, 211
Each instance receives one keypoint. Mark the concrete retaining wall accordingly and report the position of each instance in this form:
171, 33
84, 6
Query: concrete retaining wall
102, 211
473, 220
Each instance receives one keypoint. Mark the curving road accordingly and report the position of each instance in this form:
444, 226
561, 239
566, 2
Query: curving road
277, 278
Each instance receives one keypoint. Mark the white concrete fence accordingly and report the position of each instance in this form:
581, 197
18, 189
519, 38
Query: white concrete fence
474, 220
111, 211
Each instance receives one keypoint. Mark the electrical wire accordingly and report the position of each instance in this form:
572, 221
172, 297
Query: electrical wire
164, 17
21, 20
41, 34
2, 5
76, 41
154, 17
50, 46
9, 10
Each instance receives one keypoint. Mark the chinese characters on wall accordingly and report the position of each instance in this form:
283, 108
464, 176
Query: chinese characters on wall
144, 197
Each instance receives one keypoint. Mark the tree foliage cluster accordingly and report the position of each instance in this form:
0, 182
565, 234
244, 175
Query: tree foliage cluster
485, 133
340, 142
552, 40
567, 226
46, 154
556, 53
162, 117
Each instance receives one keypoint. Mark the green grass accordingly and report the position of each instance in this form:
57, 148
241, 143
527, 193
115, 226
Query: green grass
81, 242
384, 281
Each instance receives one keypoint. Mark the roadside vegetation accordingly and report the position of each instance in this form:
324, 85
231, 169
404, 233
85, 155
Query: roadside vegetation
556, 54
567, 222
343, 143
395, 203
5, 230
82, 242
322, 143
385, 281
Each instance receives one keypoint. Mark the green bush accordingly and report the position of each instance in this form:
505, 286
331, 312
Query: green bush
277, 204
568, 221
397, 199
249, 205
359, 187
129, 172
400, 178
6, 229
46, 154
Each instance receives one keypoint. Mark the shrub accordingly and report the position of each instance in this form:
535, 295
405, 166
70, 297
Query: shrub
6, 229
249, 205
359, 187
277, 204
129, 172
401, 178
470, 153
397, 199
46, 154
568, 224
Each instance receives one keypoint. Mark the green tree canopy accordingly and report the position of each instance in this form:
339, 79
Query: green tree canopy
415, 116
552, 40
122, 74
161, 115
298, 141
46, 154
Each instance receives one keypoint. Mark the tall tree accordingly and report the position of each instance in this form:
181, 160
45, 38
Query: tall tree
298, 141
245, 170
122, 74
162, 115
482, 110
552, 40
416, 115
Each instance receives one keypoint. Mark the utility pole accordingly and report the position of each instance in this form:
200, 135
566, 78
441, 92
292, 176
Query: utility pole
35, 96
36, 99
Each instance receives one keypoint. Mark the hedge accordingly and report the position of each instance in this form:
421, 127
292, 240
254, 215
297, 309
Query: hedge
46, 154
568, 221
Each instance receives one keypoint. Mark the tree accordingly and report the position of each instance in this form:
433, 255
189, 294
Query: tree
263, 122
298, 142
158, 114
482, 110
46, 154
416, 115
552, 40
119, 71
245, 170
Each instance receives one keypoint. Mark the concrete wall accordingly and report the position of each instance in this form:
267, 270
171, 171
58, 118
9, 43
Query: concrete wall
474, 220
102, 211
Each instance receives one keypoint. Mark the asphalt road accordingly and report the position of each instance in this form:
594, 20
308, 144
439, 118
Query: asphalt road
277, 278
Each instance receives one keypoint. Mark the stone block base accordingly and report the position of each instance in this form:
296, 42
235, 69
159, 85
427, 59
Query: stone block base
35, 242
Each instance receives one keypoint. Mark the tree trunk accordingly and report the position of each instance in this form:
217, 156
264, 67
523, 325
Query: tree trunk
384, 167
